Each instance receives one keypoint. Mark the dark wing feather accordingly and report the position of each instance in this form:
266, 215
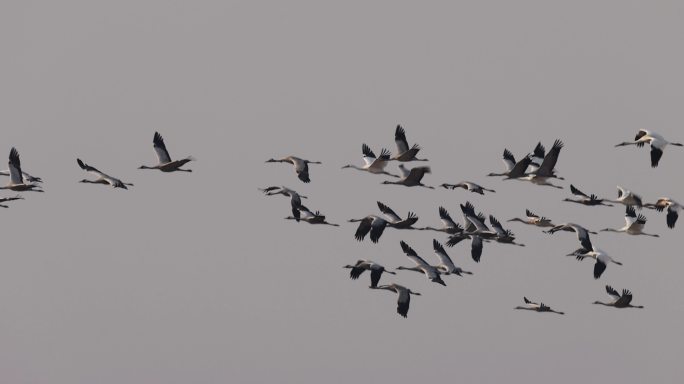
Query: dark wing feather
576, 191
400, 139
656, 154
403, 306
476, 248
599, 267
363, 228
367, 152
507, 155
671, 218
520, 167
550, 160
375, 277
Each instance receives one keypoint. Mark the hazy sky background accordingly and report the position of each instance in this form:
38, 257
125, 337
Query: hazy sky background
196, 278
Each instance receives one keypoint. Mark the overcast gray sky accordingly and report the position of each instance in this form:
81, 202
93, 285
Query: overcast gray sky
197, 278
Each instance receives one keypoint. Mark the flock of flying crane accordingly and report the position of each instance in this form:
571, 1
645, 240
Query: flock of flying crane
20, 181
537, 167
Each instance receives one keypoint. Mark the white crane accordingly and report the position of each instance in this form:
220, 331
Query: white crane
422, 266
634, 224
6, 199
394, 221
411, 178
404, 296
468, 186
449, 226
27, 178
102, 178
373, 164
17, 182
585, 199
376, 271
673, 209
537, 157
371, 223
619, 301
446, 265
628, 198
537, 307
657, 142
509, 163
534, 219
601, 257
404, 153
165, 164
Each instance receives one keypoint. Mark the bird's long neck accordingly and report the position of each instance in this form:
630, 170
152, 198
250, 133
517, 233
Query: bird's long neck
602, 303
415, 269
612, 230
354, 167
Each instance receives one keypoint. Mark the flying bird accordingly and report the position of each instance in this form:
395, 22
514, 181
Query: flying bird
404, 296
27, 178
422, 266
628, 198
295, 198
446, 266
634, 224
394, 221
449, 225
534, 219
537, 307
657, 142
619, 301
376, 271
165, 164
468, 186
372, 224
601, 257
411, 178
509, 163
373, 164
673, 209
504, 236
17, 182
301, 166
585, 199
310, 217
102, 178
543, 173
404, 153
582, 233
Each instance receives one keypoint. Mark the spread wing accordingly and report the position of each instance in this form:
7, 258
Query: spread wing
15, 167
160, 149
400, 139
508, 159
550, 160
387, 211
577, 192
414, 256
